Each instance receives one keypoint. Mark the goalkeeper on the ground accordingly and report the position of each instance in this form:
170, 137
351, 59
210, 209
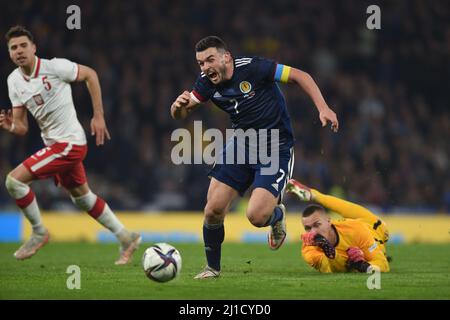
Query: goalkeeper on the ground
356, 243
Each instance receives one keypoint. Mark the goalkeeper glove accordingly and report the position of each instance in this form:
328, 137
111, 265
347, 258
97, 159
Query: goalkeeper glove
325, 245
313, 239
355, 254
356, 260
308, 238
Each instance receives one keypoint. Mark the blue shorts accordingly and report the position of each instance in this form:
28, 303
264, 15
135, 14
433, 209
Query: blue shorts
241, 176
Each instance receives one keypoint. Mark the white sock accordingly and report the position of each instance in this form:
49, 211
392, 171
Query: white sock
107, 218
110, 221
33, 214
23, 195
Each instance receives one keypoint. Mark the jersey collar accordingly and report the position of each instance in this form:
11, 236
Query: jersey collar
337, 235
35, 73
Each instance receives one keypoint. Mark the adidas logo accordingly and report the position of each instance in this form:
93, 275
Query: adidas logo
275, 186
217, 95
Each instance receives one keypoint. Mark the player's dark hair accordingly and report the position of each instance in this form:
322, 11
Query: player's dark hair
210, 42
311, 209
18, 31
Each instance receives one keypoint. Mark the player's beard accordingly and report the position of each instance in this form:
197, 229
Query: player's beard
22, 61
222, 73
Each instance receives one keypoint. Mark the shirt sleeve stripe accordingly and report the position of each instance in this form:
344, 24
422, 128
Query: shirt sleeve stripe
78, 72
285, 74
196, 96
282, 73
278, 72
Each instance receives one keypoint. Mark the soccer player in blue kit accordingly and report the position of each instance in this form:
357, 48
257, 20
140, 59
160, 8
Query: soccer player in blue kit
246, 88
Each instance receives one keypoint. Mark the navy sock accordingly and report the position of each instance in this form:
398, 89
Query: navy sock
275, 217
213, 235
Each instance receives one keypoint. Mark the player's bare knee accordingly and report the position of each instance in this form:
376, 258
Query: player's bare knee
258, 215
79, 191
258, 220
214, 212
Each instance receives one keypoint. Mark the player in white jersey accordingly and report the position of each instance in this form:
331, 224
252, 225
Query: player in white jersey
43, 88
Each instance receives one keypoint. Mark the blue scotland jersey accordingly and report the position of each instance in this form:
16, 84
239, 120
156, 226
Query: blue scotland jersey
251, 97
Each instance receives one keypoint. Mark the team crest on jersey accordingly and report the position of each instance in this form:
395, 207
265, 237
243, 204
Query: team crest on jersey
38, 100
245, 87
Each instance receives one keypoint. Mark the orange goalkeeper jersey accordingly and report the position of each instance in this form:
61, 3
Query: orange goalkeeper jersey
351, 233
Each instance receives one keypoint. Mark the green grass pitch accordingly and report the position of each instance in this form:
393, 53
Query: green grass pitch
250, 271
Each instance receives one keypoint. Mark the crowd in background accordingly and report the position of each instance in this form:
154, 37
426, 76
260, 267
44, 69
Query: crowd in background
389, 88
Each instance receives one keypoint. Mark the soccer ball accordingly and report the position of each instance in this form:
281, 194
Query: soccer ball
161, 262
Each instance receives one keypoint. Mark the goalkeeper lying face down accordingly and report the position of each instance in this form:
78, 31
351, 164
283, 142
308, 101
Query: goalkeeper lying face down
355, 244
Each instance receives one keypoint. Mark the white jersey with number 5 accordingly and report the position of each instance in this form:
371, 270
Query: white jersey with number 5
48, 96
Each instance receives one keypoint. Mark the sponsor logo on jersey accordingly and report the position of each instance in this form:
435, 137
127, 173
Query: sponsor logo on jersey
245, 87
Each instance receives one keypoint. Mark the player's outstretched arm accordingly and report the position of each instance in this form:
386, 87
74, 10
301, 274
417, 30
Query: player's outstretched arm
183, 105
14, 120
345, 208
98, 124
316, 258
307, 83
